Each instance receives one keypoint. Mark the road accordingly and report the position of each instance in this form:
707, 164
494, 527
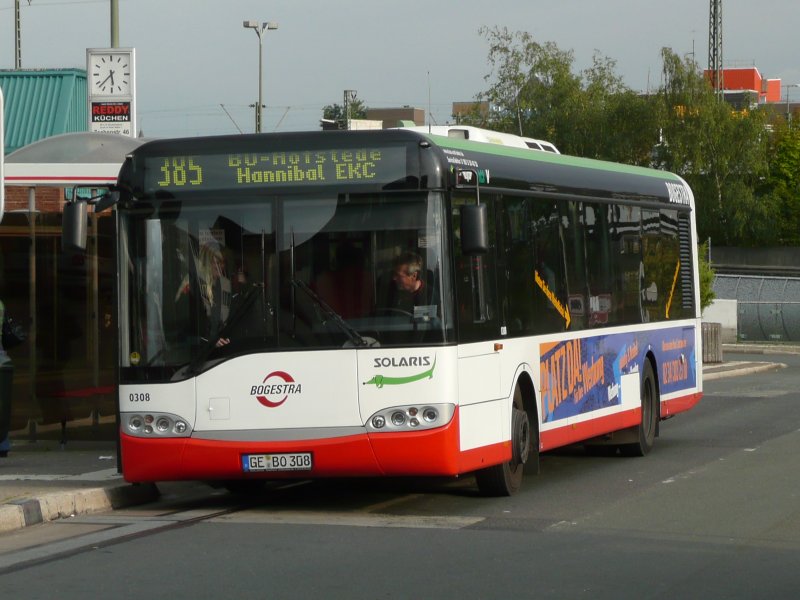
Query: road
713, 511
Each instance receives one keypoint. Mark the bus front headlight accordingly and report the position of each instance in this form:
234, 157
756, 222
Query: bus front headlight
407, 418
155, 425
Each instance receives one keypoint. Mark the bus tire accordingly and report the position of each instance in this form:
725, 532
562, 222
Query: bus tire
646, 430
505, 479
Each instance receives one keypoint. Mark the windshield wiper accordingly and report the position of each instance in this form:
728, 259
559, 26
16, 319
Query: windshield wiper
353, 335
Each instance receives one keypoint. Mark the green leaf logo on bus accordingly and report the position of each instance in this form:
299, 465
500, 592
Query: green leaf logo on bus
381, 380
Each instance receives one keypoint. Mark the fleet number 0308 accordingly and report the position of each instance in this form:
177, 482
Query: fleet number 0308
139, 397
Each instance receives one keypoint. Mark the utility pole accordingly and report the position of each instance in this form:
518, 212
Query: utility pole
715, 46
17, 38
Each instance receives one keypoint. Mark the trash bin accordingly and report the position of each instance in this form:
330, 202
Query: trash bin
712, 346
6, 378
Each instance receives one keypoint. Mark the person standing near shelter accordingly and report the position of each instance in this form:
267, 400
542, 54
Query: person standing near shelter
6, 378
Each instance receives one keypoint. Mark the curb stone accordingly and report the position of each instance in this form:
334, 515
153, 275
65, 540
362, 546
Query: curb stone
61, 505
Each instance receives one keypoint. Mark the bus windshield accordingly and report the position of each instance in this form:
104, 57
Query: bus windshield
209, 279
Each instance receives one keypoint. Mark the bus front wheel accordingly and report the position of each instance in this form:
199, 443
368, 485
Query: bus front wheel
506, 479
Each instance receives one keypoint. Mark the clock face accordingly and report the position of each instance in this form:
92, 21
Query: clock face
110, 74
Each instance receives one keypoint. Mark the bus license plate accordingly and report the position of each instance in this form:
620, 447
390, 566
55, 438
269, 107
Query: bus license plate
288, 461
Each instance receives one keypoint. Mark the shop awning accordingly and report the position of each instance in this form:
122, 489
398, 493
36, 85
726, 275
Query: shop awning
70, 159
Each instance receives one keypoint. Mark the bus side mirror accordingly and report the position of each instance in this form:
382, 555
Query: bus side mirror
474, 229
74, 227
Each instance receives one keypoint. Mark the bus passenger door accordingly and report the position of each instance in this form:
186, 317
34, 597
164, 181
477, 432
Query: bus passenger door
482, 413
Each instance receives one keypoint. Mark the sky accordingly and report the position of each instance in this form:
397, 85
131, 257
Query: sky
197, 67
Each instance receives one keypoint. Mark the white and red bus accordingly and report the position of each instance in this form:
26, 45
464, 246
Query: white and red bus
394, 303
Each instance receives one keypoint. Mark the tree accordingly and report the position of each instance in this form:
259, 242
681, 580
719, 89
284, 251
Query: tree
535, 93
781, 187
534, 88
706, 275
336, 112
684, 127
719, 151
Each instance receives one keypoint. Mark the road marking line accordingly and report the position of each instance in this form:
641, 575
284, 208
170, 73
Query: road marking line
352, 520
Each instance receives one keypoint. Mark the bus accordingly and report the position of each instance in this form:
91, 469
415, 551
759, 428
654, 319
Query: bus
395, 303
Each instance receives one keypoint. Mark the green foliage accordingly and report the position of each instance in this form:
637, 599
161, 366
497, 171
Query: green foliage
746, 180
781, 188
336, 112
706, 273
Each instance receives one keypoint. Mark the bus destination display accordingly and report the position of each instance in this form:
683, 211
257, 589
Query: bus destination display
302, 168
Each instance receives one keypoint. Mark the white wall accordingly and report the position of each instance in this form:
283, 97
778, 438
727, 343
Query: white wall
724, 312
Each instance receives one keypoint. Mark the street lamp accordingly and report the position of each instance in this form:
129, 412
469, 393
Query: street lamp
259, 29
788, 114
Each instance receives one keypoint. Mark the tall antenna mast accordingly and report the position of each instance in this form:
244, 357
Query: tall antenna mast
715, 45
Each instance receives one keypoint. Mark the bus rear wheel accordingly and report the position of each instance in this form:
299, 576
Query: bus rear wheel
646, 430
506, 479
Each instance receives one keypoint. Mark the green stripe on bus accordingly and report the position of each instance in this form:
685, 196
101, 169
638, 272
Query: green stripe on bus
549, 157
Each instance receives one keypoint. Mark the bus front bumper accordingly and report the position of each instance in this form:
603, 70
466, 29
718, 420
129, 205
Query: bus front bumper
424, 453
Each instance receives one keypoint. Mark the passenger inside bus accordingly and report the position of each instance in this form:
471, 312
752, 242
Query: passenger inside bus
213, 288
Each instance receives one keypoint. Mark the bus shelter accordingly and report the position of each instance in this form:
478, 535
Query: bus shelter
64, 373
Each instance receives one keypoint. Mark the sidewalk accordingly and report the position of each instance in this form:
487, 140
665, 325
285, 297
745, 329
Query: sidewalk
43, 481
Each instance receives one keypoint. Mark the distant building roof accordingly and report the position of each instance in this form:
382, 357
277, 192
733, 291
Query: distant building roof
748, 79
41, 103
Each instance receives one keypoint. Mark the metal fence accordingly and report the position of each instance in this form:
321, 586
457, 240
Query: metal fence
768, 307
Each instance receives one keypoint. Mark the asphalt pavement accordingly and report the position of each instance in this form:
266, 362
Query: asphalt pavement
45, 480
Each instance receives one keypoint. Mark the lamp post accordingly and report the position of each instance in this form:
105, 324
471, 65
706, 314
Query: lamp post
259, 29
788, 114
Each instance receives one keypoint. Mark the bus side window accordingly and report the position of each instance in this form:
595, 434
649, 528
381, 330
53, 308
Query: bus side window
549, 227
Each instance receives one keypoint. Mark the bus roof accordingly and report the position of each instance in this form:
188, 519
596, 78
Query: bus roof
488, 136
393, 159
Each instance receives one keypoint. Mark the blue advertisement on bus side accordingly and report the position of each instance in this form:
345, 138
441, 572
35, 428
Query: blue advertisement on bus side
582, 375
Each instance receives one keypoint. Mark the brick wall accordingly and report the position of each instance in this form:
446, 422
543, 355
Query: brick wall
47, 199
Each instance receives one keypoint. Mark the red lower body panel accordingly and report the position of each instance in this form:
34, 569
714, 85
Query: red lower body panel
672, 407
435, 452
577, 432
432, 452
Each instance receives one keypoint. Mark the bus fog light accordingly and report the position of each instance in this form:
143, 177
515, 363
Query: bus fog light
429, 414
396, 419
180, 427
148, 429
162, 424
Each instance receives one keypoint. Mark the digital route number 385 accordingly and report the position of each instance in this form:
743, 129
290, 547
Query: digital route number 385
179, 171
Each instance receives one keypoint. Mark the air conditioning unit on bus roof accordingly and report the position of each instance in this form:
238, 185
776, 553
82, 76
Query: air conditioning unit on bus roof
487, 136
